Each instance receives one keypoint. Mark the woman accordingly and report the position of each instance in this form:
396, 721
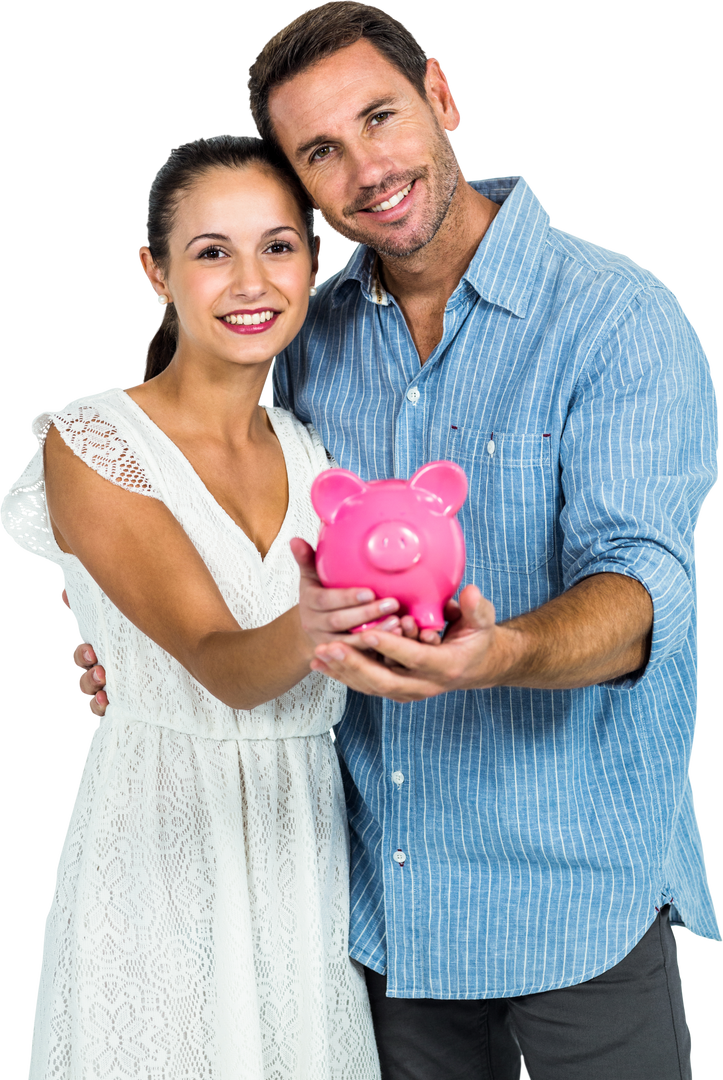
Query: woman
199, 926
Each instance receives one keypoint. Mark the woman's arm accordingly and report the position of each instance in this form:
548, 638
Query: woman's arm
146, 564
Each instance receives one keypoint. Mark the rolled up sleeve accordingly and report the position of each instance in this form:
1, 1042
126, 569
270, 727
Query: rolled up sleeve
638, 455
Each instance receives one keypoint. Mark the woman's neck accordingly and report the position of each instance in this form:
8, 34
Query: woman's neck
218, 400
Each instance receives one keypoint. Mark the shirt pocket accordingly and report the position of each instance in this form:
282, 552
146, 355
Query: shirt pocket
509, 516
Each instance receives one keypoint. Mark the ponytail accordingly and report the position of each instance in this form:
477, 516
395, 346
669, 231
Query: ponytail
161, 345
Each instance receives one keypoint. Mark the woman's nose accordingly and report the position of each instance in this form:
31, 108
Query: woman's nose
249, 280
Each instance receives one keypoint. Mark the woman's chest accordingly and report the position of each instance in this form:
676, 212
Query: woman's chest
250, 486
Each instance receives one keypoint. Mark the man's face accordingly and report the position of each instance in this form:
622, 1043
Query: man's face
361, 137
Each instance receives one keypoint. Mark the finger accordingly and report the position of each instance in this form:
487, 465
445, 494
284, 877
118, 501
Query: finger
91, 682
305, 557
451, 611
357, 671
84, 656
99, 703
347, 618
414, 655
330, 599
389, 626
412, 631
475, 609
65, 598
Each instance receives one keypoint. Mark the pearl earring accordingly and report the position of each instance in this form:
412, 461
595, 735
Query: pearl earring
163, 299
312, 290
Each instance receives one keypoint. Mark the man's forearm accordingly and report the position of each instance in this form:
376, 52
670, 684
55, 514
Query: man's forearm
598, 630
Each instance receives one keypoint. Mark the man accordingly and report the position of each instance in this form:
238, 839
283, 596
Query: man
521, 822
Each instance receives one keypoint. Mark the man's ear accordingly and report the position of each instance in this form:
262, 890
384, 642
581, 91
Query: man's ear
315, 259
441, 95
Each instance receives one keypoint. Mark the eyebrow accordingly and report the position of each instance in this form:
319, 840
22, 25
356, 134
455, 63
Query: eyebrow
227, 239
371, 107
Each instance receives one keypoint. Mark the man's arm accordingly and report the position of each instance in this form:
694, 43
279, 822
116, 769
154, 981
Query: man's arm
598, 630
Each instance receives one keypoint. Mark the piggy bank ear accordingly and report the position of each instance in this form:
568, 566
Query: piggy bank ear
445, 480
333, 487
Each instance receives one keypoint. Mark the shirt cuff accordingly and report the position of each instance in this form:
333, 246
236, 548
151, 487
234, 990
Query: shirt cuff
670, 588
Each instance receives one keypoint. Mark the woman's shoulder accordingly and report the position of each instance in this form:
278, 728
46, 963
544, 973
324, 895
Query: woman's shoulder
102, 430
80, 411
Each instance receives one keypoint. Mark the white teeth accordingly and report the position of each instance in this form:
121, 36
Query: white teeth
249, 320
389, 203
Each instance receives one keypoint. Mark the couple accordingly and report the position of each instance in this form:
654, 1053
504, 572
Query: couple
521, 825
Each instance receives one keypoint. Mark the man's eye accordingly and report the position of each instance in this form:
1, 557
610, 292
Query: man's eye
211, 253
379, 117
321, 153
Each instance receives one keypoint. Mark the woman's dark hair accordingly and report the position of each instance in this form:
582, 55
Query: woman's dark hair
321, 32
184, 167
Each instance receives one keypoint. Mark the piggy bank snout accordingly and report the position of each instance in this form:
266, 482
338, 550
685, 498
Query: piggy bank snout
393, 546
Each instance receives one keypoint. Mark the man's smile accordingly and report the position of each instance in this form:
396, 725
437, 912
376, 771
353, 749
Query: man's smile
392, 201
393, 206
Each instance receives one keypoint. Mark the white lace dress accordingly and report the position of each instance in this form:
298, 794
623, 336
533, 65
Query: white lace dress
199, 926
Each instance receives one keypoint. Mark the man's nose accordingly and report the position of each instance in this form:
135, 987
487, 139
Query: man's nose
370, 164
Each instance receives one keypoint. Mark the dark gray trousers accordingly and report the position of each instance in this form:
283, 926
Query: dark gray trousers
626, 1024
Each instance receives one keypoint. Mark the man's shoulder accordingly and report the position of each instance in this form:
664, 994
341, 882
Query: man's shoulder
582, 255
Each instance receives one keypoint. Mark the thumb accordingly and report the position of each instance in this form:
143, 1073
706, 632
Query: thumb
476, 610
305, 557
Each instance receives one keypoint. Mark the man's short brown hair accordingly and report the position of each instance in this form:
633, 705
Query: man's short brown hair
321, 32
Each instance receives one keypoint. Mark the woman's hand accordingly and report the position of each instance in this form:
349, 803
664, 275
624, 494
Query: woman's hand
327, 615
93, 681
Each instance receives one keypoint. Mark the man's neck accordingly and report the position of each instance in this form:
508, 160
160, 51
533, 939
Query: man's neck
422, 283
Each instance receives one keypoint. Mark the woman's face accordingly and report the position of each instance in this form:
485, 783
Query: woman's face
240, 268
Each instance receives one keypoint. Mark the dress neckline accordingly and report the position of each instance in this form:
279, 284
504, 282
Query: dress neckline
277, 423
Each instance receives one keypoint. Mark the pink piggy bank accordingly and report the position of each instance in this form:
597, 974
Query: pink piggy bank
397, 537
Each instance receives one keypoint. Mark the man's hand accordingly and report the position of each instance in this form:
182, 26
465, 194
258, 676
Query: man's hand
93, 681
599, 629
412, 671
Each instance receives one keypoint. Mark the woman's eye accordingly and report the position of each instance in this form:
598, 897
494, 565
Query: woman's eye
212, 253
279, 247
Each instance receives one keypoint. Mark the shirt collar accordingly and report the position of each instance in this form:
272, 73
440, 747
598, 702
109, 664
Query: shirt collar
503, 268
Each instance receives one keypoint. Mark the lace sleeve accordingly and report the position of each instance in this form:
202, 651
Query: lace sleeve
97, 442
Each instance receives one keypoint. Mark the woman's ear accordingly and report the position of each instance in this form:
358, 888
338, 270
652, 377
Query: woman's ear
153, 272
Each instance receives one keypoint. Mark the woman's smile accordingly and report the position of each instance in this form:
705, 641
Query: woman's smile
250, 321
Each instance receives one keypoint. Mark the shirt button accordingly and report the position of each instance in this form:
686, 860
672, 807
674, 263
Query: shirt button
491, 447
398, 778
399, 857
413, 395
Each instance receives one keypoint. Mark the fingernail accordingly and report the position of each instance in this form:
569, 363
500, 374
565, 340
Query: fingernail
371, 639
388, 605
87, 655
96, 676
336, 653
364, 596
390, 623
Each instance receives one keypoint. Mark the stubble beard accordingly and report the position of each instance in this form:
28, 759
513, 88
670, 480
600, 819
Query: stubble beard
442, 183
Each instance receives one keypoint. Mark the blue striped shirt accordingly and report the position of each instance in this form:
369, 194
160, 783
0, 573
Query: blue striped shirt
536, 832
